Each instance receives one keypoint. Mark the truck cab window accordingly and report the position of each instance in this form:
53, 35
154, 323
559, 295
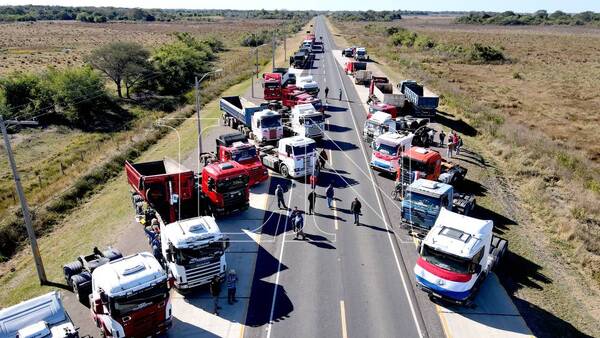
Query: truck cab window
288, 150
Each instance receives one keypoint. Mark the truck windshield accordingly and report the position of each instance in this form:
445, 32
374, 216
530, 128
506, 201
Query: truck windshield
312, 120
415, 165
386, 149
446, 261
232, 183
270, 122
121, 306
303, 150
431, 203
196, 255
241, 155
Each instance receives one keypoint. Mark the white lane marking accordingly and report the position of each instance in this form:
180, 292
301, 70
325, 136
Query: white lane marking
335, 216
343, 315
412, 308
269, 327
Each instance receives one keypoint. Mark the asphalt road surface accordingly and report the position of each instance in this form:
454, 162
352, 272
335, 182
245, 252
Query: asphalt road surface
344, 280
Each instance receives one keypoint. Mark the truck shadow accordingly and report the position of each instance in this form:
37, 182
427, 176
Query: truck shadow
458, 125
329, 107
337, 145
501, 222
337, 128
337, 180
471, 187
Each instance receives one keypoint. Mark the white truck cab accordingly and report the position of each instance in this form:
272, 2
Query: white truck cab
377, 124
194, 251
294, 157
307, 121
387, 148
361, 54
308, 84
130, 297
456, 256
267, 126
307, 44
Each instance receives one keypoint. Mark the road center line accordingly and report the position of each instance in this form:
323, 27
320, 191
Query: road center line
343, 316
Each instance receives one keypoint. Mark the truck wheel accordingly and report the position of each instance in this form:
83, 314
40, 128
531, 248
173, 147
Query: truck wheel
499, 252
251, 136
285, 172
395, 194
112, 254
72, 269
80, 290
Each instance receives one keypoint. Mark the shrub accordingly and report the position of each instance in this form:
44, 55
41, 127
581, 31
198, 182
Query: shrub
403, 38
424, 42
485, 54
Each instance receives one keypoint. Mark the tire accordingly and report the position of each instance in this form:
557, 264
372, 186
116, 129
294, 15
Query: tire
112, 254
285, 172
72, 269
81, 287
395, 194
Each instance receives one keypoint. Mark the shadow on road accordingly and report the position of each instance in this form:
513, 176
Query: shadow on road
337, 145
331, 108
337, 128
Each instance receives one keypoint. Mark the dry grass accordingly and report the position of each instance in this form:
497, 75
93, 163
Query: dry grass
537, 118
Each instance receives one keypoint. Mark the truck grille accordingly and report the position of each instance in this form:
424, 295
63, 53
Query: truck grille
406, 177
202, 274
234, 198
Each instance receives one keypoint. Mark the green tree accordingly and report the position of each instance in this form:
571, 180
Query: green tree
177, 64
24, 94
119, 61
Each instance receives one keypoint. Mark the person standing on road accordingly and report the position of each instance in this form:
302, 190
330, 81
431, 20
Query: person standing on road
323, 158
355, 208
442, 137
326, 92
340, 94
312, 198
215, 290
280, 199
298, 221
430, 135
455, 141
313, 181
329, 193
450, 146
231, 286
459, 145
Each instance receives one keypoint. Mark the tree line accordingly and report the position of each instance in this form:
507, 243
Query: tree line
540, 17
78, 96
371, 15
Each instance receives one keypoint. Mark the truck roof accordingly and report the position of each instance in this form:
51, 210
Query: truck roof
192, 232
304, 109
128, 274
458, 234
297, 141
380, 117
395, 138
421, 154
225, 168
45, 308
266, 113
429, 188
272, 77
231, 138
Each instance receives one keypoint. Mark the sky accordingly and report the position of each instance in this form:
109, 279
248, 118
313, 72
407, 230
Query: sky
431, 5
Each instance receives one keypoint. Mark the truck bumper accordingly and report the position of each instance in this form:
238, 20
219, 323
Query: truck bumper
413, 229
230, 209
458, 298
382, 168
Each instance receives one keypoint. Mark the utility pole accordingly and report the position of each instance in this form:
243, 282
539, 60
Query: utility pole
273, 50
285, 46
197, 96
256, 63
39, 265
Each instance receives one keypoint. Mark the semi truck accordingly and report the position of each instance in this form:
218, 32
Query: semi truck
294, 156
352, 67
361, 54
377, 124
418, 162
273, 82
291, 96
363, 77
308, 84
257, 122
235, 147
423, 200
130, 297
348, 52
387, 148
40, 317
380, 122
382, 97
456, 256
424, 101
300, 59
306, 121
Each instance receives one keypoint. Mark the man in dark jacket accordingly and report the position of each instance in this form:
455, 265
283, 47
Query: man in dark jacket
312, 198
355, 208
329, 194
215, 290
280, 199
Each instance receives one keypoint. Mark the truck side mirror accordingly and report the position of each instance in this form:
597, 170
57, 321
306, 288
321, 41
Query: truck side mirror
98, 306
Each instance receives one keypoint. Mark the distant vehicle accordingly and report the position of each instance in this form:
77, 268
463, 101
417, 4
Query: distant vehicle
235, 147
259, 123
307, 121
387, 148
348, 52
39, 317
418, 162
424, 199
300, 59
456, 256
294, 157
308, 84
424, 101
360, 54
130, 297
352, 67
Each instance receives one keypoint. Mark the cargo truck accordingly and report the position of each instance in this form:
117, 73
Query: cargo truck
130, 297
380, 122
419, 162
352, 67
363, 77
361, 54
300, 59
294, 157
423, 201
271, 86
387, 148
235, 147
422, 99
256, 122
39, 317
291, 96
306, 121
456, 256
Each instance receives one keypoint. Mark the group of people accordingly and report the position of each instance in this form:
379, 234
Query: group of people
327, 93
453, 144
231, 280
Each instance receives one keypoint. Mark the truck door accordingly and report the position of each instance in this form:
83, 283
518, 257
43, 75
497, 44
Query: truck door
445, 202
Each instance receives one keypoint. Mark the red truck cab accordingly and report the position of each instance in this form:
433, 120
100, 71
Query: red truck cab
423, 162
226, 186
235, 147
272, 86
292, 96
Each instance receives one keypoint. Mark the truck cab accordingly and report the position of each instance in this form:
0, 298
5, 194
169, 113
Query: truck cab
348, 52
307, 44
235, 147
377, 124
292, 96
272, 86
294, 156
456, 256
352, 66
376, 107
194, 251
266, 126
387, 148
307, 121
226, 186
130, 297
361, 54
39, 317
419, 162
308, 84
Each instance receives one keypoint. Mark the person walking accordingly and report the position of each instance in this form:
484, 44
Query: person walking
430, 136
442, 137
312, 198
215, 290
313, 181
298, 221
323, 158
231, 286
355, 208
326, 92
450, 146
340, 94
459, 145
280, 199
329, 193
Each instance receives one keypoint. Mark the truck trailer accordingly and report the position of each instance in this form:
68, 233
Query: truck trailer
424, 101
256, 122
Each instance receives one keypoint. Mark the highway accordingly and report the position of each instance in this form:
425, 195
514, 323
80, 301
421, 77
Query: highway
345, 280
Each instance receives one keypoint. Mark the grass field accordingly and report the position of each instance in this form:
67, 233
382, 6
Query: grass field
533, 119
100, 219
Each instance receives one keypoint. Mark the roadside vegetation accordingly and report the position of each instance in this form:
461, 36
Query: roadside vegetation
533, 121
97, 113
540, 17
